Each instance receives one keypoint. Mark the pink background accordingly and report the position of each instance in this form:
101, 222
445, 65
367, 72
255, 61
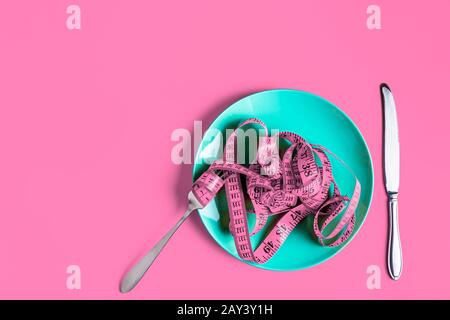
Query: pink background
86, 118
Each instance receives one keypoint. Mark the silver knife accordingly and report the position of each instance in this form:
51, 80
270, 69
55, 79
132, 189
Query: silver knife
391, 162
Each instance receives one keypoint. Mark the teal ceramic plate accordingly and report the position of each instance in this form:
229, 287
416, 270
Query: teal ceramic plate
318, 121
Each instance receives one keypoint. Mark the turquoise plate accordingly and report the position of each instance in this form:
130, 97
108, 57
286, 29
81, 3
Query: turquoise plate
318, 121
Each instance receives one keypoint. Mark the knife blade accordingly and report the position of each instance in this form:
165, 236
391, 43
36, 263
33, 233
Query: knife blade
391, 164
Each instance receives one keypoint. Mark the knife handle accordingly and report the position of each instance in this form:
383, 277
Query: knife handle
395, 259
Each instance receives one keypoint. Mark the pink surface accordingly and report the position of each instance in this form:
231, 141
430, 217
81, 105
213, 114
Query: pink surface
86, 118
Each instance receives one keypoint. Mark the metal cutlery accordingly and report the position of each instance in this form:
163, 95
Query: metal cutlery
391, 163
135, 274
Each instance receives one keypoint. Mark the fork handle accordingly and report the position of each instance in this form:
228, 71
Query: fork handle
135, 274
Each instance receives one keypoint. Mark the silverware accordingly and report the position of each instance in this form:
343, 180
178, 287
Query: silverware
135, 274
391, 162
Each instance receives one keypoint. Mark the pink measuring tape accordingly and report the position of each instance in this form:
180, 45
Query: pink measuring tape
292, 187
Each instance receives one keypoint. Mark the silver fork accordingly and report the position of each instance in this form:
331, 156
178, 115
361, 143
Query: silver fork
135, 274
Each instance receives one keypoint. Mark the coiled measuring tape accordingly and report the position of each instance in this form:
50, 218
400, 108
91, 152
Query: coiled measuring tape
292, 187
